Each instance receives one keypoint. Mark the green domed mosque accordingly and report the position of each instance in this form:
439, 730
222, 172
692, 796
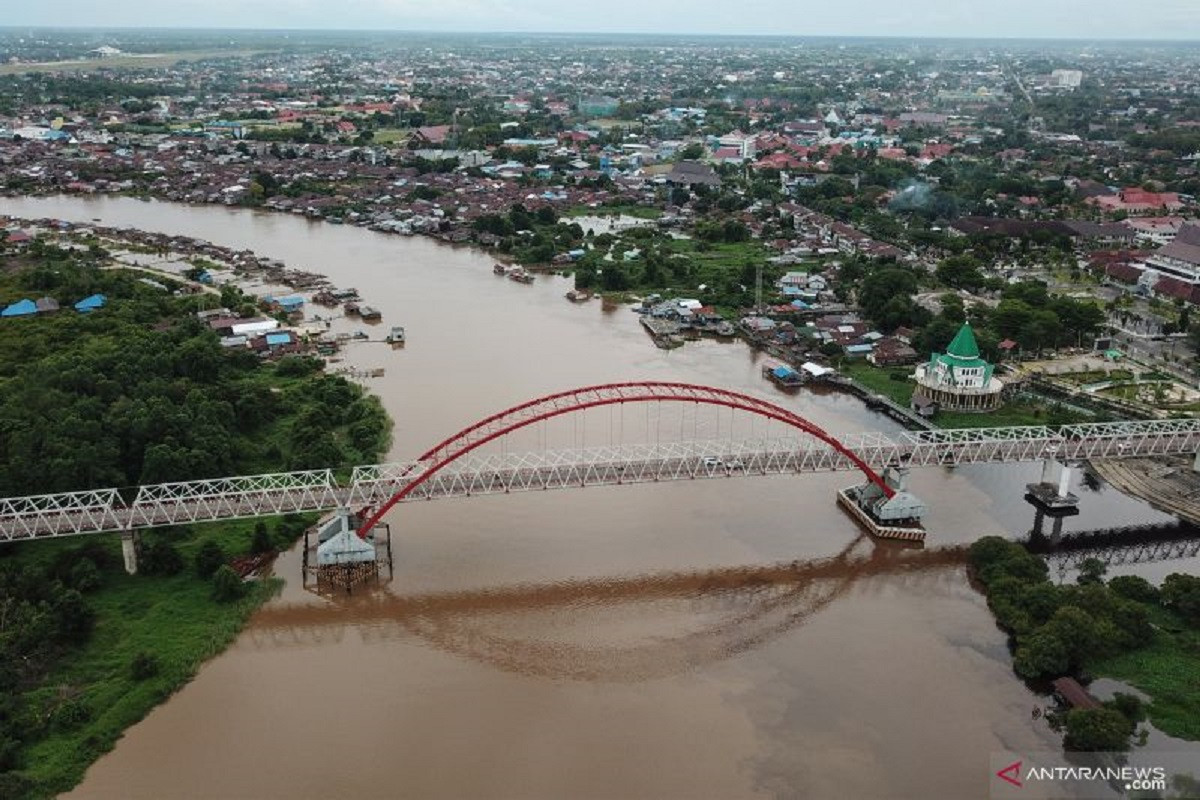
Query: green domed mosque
958, 380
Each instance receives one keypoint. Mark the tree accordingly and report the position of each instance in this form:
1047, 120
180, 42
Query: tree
1096, 730
161, 557
1041, 655
1078, 632
227, 586
960, 272
888, 291
209, 558
1091, 571
1134, 587
261, 543
1181, 592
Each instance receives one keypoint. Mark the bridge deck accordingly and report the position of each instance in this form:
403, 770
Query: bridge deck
97, 511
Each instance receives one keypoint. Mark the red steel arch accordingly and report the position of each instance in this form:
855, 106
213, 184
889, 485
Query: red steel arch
497, 425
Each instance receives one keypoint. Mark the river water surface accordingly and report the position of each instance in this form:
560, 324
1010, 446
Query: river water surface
621, 642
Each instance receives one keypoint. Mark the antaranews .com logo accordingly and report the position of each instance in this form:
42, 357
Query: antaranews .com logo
1083, 775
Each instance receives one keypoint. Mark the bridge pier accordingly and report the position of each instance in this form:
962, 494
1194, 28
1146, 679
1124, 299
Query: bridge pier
1196, 462
1052, 499
129, 551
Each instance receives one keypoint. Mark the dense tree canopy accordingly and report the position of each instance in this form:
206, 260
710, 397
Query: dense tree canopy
141, 391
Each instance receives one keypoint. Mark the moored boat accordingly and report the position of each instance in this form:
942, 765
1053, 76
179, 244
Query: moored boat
396, 335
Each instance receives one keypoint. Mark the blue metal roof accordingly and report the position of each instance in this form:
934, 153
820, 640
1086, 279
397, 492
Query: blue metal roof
91, 303
784, 372
22, 308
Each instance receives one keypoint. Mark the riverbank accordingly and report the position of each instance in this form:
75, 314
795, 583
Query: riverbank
134, 390
92, 693
1125, 628
895, 385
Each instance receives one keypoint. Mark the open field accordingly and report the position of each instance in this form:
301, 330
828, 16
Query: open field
147, 61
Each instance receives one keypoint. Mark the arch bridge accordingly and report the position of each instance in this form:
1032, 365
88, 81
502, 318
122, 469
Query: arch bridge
455, 467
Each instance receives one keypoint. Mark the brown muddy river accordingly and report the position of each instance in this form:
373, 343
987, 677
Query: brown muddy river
650, 641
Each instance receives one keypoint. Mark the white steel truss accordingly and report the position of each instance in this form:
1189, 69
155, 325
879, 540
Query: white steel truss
74, 513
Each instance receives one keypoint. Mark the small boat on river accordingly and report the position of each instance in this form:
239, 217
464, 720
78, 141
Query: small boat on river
396, 335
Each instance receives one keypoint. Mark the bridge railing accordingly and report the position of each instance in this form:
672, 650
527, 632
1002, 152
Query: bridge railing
236, 497
371, 485
58, 514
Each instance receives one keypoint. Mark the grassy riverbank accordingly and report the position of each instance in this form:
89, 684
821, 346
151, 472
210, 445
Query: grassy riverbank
90, 694
1124, 628
138, 391
895, 384
1168, 669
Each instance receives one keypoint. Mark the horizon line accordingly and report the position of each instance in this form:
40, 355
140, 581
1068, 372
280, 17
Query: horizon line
676, 34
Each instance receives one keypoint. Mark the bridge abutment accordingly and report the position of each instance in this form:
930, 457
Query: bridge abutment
129, 551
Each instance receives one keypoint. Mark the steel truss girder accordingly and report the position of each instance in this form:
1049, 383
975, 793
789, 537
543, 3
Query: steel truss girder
1115, 555
72, 513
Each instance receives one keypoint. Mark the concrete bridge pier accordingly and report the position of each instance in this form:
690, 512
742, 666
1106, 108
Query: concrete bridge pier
1053, 499
1196, 462
129, 551
1064, 481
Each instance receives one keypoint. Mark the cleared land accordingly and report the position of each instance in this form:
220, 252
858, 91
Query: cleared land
131, 61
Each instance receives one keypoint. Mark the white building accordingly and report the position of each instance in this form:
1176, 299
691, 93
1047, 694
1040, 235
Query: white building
1066, 78
958, 380
742, 142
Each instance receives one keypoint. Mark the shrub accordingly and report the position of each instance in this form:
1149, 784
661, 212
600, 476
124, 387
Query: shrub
73, 617
262, 542
161, 557
1134, 587
1130, 706
85, 575
1097, 730
70, 714
209, 559
227, 586
144, 665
